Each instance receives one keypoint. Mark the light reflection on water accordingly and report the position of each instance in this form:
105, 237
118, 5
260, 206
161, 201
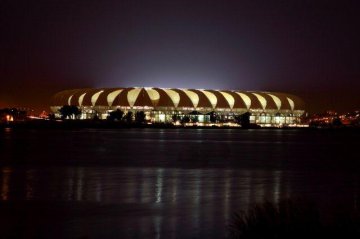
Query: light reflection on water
164, 202
6, 172
150, 183
136, 185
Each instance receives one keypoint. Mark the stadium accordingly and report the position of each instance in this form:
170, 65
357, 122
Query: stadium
160, 105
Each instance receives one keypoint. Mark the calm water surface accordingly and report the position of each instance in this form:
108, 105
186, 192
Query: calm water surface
165, 183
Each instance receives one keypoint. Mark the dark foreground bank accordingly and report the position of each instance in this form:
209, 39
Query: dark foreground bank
295, 219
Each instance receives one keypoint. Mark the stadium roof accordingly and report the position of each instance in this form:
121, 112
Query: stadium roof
178, 98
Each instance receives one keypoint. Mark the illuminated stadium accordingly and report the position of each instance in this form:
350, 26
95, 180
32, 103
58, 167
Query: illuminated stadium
161, 104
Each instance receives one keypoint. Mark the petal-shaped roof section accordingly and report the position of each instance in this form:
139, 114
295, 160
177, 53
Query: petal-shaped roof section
81, 98
95, 97
211, 98
203, 101
75, 99
284, 102
291, 103
238, 101
185, 101
87, 99
132, 96
173, 96
276, 100
229, 98
141, 97
298, 103
153, 95
249, 100
103, 97
221, 101
270, 103
122, 98
69, 100
261, 99
112, 96
193, 97
62, 98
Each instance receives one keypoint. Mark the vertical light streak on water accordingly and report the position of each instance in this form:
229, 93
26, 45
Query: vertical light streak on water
288, 189
210, 192
259, 188
173, 224
197, 196
98, 190
130, 184
79, 184
174, 201
8, 130
158, 225
174, 186
5, 188
226, 195
70, 191
356, 192
29, 187
247, 189
146, 194
277, 185
159, 185
197, 183
146, 227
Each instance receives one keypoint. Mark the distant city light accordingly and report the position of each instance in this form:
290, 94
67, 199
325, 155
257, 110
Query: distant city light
9, 118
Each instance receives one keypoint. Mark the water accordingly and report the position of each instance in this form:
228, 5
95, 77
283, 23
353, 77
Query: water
165, 183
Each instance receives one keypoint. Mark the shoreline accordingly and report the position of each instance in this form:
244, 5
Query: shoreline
81, 124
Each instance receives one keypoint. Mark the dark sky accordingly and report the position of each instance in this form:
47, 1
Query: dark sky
309, 48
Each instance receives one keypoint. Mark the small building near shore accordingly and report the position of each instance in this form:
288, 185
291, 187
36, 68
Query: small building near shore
203, 107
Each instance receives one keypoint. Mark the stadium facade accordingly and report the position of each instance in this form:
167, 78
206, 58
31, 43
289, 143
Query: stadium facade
161, 104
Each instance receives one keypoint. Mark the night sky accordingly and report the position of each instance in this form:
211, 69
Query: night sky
308, 48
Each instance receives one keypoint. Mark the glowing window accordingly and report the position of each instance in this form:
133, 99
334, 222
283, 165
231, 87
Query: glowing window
161, 117
201, 119
111, 96
261, 99
277, 119
193, 97
262, 119
212, 98
95, 97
